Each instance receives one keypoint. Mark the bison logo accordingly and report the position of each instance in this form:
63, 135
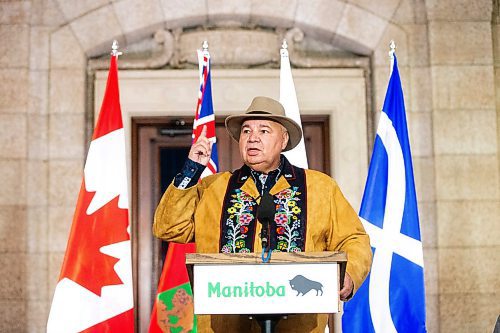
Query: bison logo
303, 285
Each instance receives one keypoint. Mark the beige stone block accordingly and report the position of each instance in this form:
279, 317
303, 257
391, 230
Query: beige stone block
65, 50
74, 9
12, 229
468, 223
96, 31
469, 270
459, 10
383, 9
381, 78
14, 89
36, 278
363, 37
228, 11
60, 221
319, 19
139, 18
15, 46
38, 98
472, 312
37, 182
467, 177
13, 273
420, 90
12, 311
47, 13
463, 87
418, 44
54, 270
65, 177
420, 133
465, 132
497, 87
423, 172
37, 315
181, 13
495, 31
13, 180
278, 13
38, 146
38, 226
460, 43
381, 52
66, 136
67, 91
420, 12
15, 12
13, 135
428, 225
39, 48
432, 313
405, 13
431, 276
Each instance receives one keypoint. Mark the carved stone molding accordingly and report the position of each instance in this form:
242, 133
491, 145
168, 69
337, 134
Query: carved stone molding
231, 47
161, 55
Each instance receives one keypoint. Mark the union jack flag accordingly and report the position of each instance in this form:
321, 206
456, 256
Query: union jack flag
205, 112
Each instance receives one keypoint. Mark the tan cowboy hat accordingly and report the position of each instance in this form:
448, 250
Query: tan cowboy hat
269, 109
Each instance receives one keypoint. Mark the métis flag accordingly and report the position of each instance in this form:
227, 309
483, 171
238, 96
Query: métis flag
392, 298
288, 97
94, 292
205, 111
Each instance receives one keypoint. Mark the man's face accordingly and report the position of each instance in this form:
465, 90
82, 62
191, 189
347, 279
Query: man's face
261, 143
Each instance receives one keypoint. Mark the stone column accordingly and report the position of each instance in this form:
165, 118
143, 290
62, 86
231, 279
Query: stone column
14, 97
466, 163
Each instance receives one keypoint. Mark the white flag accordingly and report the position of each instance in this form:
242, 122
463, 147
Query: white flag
297, 156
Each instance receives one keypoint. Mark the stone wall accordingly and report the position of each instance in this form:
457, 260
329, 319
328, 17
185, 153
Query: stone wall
466, 163
449, 58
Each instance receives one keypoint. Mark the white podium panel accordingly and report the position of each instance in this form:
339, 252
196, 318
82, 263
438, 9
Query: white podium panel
266, 288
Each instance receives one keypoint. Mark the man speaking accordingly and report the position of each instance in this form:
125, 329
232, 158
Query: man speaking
309, 212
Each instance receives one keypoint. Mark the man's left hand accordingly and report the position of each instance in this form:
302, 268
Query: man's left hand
346, 291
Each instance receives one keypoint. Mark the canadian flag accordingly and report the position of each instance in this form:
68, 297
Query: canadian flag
94, 292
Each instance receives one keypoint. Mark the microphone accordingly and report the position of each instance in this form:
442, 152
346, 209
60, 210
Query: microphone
265, 214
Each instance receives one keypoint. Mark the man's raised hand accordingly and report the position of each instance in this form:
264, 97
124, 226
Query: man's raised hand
202, 149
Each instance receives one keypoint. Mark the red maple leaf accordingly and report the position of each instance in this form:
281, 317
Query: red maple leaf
84, 263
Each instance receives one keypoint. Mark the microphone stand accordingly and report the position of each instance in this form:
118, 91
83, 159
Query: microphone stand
266, 211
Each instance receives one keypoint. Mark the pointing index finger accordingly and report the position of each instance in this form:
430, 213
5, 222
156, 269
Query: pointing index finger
204, 131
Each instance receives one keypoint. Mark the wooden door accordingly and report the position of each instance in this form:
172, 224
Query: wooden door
160, 146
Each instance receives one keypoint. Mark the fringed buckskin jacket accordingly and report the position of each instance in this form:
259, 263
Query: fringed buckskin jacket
312, 215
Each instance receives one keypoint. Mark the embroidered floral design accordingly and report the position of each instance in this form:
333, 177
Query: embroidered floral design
241, 214
287, 219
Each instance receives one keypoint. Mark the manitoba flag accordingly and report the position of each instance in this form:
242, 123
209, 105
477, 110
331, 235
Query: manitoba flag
173, 310
94, 292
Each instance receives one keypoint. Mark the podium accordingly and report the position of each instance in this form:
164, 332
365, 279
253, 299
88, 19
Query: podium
290, 283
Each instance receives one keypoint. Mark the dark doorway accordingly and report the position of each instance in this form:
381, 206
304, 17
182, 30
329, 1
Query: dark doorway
160, 146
